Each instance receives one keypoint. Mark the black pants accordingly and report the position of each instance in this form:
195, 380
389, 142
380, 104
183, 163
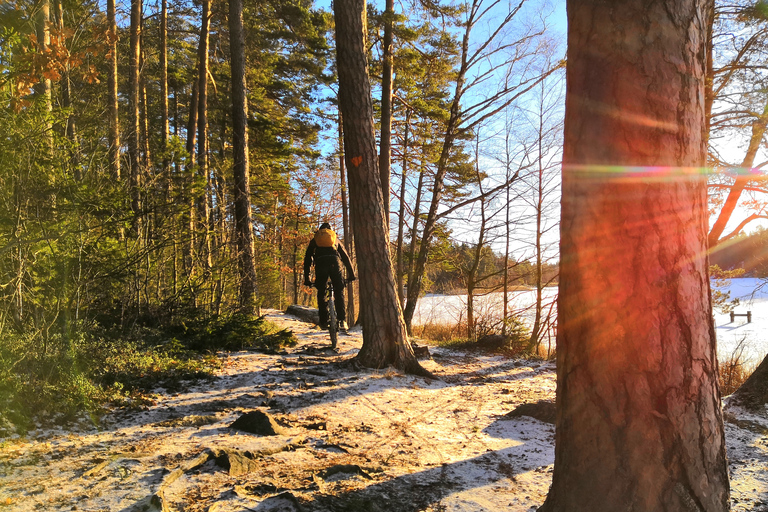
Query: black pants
329, 266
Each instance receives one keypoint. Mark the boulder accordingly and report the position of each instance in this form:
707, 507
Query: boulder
259, 423
543, 410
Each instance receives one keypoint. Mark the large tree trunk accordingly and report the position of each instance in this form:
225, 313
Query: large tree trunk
384, 336
43, 33
241, 165
753, 394
415, 236
114, 125
639, 424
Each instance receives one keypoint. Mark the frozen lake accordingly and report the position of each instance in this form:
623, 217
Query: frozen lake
753, 337
753, 296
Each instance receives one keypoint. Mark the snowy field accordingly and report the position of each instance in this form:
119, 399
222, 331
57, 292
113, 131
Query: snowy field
752, 336
732, 336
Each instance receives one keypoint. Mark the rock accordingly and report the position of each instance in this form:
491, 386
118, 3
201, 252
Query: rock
349, 470
493, 342
543, 410
235, 462
258, 422
283, 502
304, 313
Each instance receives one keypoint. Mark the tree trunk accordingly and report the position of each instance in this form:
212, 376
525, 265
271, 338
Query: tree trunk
164, 95
472, 277
114, 125
134, 96
533, 341
145, 146
241, 165
415, 236
639, 424
400, 270
753, 394
384, 336
385, 146
43, 33
348, 238
70, 128
507, 232
203, 206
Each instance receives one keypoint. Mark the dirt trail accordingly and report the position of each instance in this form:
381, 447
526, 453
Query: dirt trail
354, 440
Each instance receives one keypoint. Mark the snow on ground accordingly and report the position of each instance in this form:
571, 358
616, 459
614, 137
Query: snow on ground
420, 445
355, 440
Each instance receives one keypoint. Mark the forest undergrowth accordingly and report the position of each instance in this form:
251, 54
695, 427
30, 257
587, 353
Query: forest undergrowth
54, 381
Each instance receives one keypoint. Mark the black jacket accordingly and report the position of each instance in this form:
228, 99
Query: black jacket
316, 255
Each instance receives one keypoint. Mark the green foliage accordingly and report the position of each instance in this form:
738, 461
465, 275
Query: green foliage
513, 344
235, 332
57, 380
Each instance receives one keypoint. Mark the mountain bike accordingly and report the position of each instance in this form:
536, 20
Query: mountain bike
330, 304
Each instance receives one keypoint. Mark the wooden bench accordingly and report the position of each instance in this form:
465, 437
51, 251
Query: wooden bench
748, 314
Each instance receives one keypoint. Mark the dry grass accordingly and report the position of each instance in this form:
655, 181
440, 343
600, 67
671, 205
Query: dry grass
455, 336
441, 333
733, 371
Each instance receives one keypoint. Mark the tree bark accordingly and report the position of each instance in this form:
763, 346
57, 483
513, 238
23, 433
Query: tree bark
400, 269
203, 203
114, 124
384, 336
385, 146
164, 94
639, 424
134, 96
241, 164
348, 238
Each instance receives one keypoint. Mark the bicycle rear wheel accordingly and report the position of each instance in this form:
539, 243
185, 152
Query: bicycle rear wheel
333, 325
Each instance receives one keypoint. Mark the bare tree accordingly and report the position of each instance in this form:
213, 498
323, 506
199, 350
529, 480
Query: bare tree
639, 424
492, 57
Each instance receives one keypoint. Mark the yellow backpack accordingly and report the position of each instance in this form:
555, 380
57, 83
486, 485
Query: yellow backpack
325, 238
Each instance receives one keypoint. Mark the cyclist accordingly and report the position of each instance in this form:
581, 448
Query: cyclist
325, 250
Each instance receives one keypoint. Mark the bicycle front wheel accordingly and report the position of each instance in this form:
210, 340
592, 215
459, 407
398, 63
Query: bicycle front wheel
333, 325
